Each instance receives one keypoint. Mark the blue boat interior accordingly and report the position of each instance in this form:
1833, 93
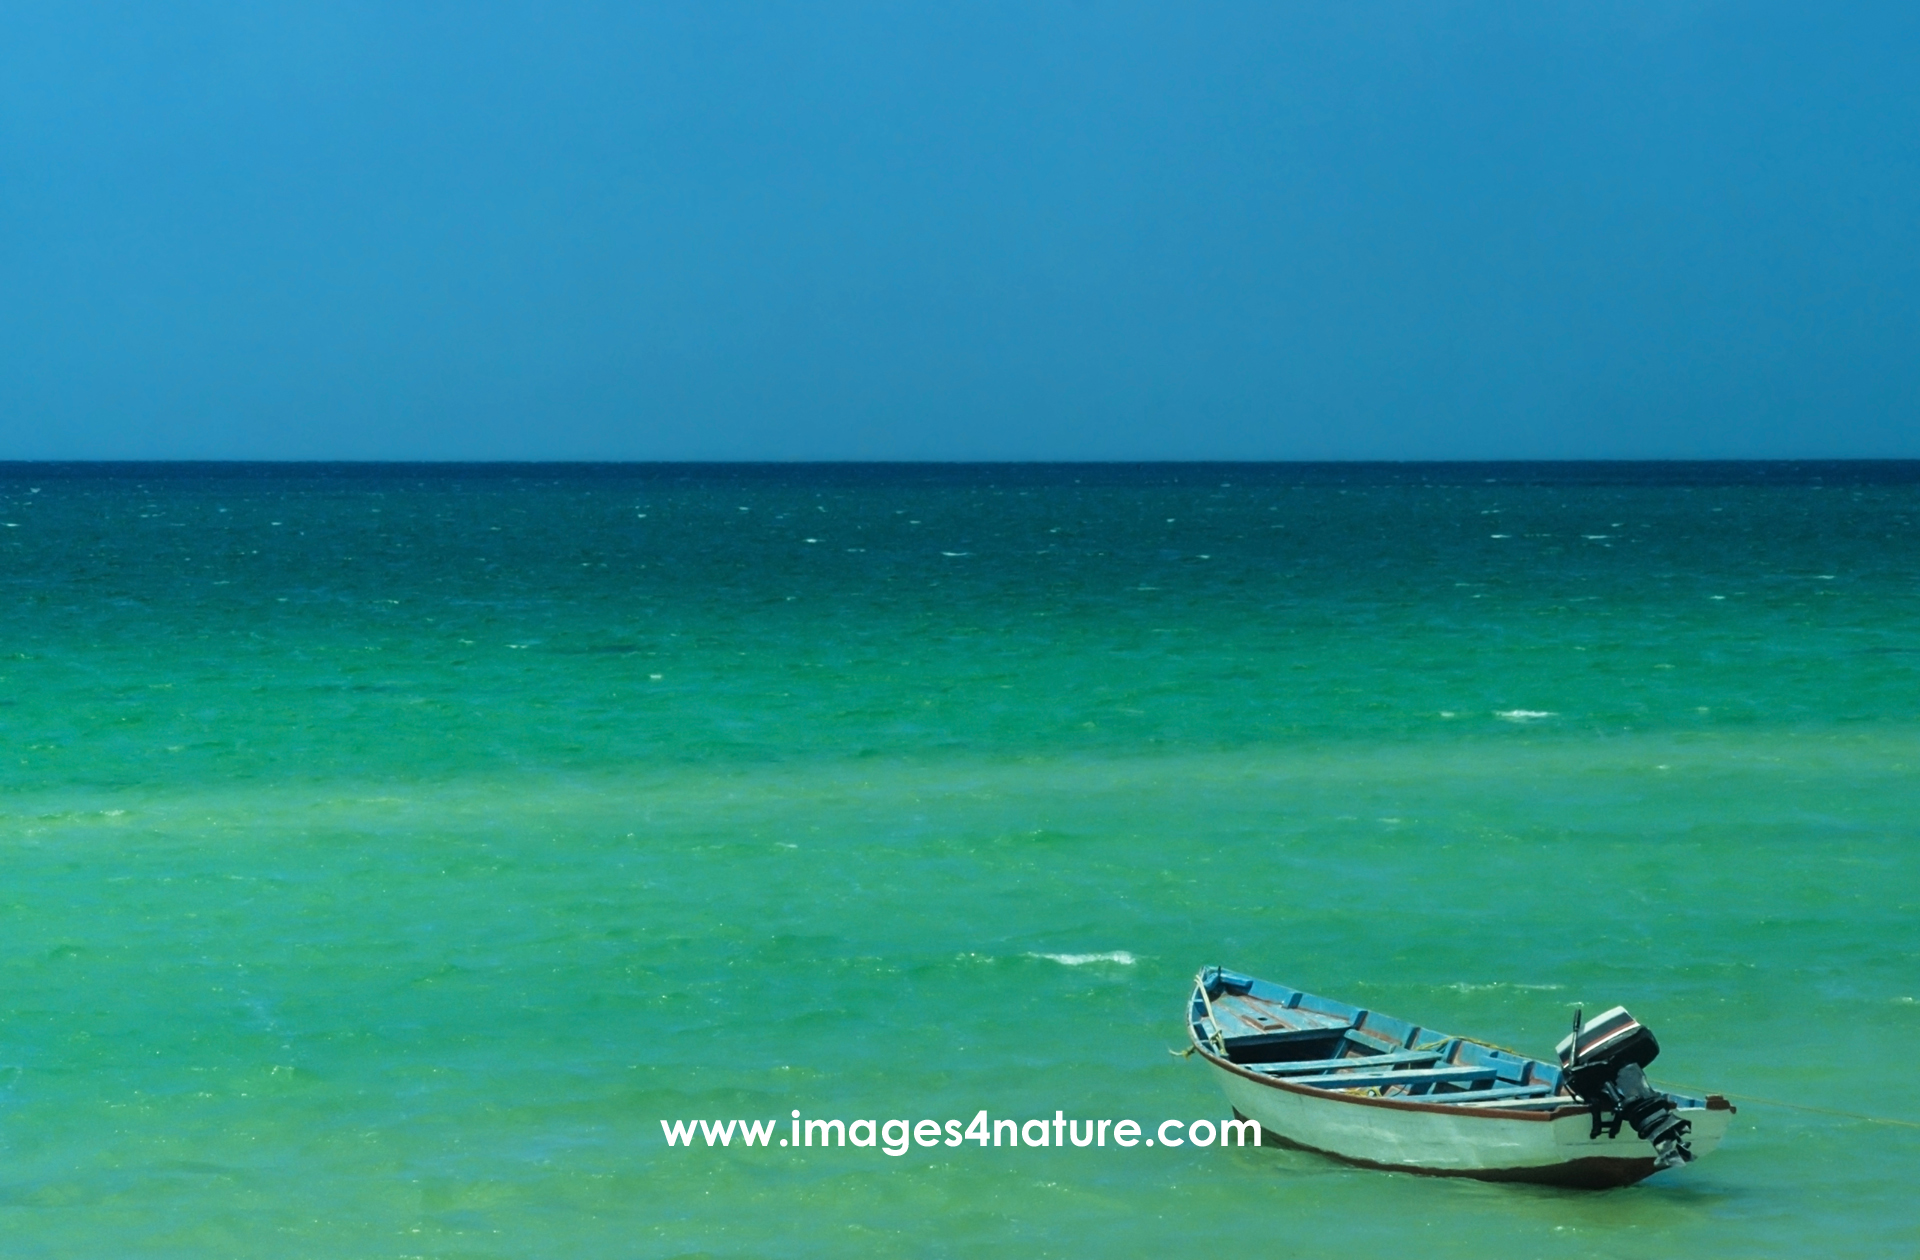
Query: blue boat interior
1311, 1041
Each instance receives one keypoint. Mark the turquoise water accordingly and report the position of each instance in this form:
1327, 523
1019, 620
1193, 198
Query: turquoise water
389, 850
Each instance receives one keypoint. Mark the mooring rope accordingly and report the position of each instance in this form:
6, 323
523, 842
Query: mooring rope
1792, 1106
1746, 1098
1750, 1098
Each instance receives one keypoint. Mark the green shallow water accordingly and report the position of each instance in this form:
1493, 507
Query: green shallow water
387, 851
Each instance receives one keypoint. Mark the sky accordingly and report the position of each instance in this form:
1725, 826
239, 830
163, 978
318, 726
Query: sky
1034, 230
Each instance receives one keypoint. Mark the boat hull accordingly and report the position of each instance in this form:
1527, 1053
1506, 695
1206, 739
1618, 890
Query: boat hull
1553, 1147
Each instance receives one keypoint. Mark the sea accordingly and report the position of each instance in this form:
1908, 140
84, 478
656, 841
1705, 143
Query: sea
391, 854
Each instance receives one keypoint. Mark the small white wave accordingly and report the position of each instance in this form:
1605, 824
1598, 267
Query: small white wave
1464, 987
1120, 956
956, 553
1524, 715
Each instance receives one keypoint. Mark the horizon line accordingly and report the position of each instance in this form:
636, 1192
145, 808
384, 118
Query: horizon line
1170, 461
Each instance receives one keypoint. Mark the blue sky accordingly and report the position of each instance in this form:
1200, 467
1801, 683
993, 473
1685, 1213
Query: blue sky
1083, 230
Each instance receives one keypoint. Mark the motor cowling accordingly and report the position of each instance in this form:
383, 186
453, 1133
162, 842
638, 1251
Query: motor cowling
1604, 1062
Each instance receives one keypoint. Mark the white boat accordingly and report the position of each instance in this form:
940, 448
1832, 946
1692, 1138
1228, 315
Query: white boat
1384, 1093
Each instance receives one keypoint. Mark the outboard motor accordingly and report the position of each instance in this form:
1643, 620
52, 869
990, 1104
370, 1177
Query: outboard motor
1603, 1063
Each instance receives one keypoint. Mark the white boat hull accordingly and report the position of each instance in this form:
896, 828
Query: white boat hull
1438, 1139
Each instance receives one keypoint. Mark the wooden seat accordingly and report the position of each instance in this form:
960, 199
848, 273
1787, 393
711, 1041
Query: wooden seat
1415, 1076
1248, 1024
1540, 1103
1342, 1065
1505, 1092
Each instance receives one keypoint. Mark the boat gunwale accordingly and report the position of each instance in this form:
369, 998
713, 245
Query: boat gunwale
1541, 1114
1712, 1102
